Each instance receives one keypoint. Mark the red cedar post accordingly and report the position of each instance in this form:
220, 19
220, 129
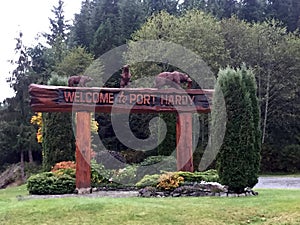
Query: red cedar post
83, 152
184, 139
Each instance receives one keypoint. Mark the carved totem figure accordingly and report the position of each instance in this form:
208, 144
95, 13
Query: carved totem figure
173, 79
125, 76
78, 80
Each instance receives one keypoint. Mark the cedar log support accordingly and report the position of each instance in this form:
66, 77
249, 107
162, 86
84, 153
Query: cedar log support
83, 152
184, 139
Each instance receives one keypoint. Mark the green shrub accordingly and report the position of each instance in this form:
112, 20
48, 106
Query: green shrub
99, 174
52, 183
148, 181
155, 165
208, 176
126, 176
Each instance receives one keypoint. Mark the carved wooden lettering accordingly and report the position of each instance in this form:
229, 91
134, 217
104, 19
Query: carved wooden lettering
65, 99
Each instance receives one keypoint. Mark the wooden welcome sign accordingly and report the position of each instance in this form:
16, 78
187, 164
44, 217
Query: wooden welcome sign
84, 100
67, 99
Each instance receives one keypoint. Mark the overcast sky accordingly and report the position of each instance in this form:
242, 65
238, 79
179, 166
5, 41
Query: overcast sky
31, 17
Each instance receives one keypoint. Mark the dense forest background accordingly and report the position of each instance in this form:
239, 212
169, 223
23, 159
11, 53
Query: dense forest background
264, 34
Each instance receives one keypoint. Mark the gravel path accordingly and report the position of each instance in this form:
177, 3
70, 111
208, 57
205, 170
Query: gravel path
112, 194
278, 182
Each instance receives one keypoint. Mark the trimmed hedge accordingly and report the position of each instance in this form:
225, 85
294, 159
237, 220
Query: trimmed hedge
208, 176
51, 183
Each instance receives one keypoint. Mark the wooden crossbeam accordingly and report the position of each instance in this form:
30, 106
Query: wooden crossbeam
67, 99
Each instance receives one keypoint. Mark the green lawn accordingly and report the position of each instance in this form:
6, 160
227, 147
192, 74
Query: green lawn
269, 207
280, 175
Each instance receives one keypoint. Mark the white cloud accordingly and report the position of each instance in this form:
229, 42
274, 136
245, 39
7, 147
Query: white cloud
30, 17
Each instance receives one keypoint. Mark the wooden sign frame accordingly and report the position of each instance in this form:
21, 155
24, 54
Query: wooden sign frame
84, 100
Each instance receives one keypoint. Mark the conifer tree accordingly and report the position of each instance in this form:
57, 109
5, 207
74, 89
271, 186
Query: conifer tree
58, 138
237, 162
250, 86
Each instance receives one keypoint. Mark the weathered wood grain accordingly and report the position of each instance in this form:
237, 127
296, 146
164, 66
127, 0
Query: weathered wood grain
83, 150
184, 142
67, 99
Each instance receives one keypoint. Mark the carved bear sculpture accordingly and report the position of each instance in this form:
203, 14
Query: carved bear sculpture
173, 79
79, 81
125, 76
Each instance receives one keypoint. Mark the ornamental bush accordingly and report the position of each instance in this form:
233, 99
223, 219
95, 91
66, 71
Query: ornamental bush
99, 174
51, 183
125, 176
148, 181
208, 176
188, 177
169, 181
64, 165
239, 156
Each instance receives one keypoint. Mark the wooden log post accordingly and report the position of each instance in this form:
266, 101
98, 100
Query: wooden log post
184, 139
83, 152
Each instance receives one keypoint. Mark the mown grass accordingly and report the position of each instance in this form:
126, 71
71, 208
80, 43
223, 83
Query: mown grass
280, 175
271, 206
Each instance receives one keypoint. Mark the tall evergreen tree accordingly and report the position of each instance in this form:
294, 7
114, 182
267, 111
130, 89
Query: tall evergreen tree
237, 165
82, 31
58, 139
220, 9
156, 6
20, 78
250, 86
59, 30
287, 11
252, 10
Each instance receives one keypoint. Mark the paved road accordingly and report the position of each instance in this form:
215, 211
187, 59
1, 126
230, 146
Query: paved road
278, 182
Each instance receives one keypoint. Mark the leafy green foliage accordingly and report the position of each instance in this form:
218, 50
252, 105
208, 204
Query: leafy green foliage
58, 140
103, 24
194, 30
148, 181
99, 174
156, 165
268, 49
208, 176
75, 62
51, 183
153, 180
126, 176
58, 32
